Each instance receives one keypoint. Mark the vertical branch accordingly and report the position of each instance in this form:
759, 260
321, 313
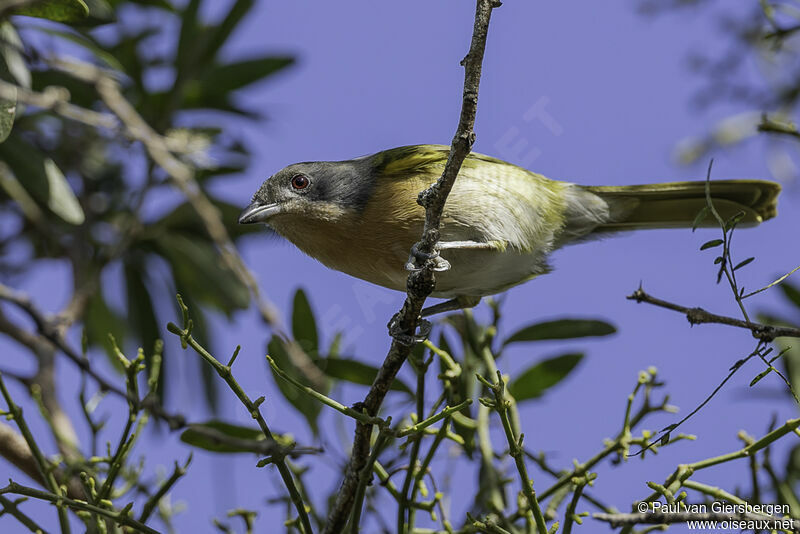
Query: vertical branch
420, 284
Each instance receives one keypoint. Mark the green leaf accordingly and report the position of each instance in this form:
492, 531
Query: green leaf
219, 34
711, 244
701, 215
188, 40
196, 438
743, 263
8, 110
184, 219
561, 329
56, 10
89, 44
222, 79
791, 292
200, 272
718, 260
533, 382
142, 314
100, 12
304, 326
13, 65
61, 200
303, 403
99, 322
358, 373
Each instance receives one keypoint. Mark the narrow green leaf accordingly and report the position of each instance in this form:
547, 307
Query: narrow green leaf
100, 321
13, 65
743, 263
8, 110
718, 260
711, 244
561, 329
761, 375
142, 315
61, 200
233, 76
304, 326
56, 10
196, 438
89, 44
702, 214
734, 220
218, 35
357, 373
533, 382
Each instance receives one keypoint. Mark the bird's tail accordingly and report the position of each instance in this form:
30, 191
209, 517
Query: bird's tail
677, 204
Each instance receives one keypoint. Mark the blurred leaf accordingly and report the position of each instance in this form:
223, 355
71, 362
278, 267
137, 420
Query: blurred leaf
358, 373
56, 10
198, 269
791, 292
307, 406
184, 219
142, 314
561, 329
336, 345
701, 215
81, 93
8, 109
219, 34
195, 438
99, 322
27, 163
61, 200
533, 382
85, 42
220, 80
304, 326
189, 39
100, 12
13, 65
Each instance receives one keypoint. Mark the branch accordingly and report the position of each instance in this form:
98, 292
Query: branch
762, 332
420, 284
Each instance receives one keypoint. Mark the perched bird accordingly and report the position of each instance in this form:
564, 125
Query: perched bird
500, 221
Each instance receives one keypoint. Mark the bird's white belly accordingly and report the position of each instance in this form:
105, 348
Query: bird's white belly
486, 272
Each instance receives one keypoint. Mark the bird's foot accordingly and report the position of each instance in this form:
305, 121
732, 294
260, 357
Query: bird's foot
403, 337
418, 257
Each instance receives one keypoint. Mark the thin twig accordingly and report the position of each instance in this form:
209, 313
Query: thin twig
421, 283
762, 332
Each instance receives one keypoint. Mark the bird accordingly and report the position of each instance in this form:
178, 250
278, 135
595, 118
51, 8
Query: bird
500, 223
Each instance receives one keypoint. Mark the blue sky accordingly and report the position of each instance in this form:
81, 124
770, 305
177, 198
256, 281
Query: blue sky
586, 92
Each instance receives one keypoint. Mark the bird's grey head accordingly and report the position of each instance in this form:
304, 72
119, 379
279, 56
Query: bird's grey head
320, 189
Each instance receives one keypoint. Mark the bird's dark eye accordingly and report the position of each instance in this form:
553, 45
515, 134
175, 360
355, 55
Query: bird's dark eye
300, 182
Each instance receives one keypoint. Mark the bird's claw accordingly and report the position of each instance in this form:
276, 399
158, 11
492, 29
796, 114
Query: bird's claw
403, 337
440, 264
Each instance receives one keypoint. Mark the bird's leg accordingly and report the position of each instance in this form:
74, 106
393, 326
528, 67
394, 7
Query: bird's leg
458, 303
499, 246
441, 263
404, 338
417, 255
